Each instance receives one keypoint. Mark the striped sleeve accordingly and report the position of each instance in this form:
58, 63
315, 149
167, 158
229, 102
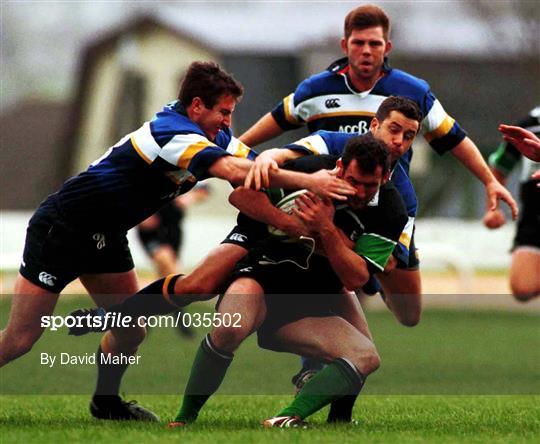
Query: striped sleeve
314, 144
440, 130
238, 149
192, 152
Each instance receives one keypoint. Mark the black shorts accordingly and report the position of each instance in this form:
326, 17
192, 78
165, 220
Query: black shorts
168, 232
528, 227
246, 236
55, 254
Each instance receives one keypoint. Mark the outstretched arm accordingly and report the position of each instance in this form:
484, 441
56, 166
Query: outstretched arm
524, 140
469, 155
323, 182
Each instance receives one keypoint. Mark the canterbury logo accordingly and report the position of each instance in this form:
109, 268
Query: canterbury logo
46, 278
332, 103
238, 237
100, 240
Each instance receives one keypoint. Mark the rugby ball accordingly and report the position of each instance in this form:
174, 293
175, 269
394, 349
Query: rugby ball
286, 204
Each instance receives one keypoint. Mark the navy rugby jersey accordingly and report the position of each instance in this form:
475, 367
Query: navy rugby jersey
329, 101
507, 156
332, 142
149, 167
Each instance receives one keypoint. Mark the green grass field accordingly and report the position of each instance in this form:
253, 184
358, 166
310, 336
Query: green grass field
460, 376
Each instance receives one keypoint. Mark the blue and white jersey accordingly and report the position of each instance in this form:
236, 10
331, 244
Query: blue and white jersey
162, 159
328, 101
332, 142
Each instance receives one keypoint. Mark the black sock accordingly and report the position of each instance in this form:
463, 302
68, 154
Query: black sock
109, 376
151, 300
341, 409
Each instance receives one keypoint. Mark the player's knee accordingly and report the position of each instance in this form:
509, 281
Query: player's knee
523, 291
367, 360
410, 319
229, 338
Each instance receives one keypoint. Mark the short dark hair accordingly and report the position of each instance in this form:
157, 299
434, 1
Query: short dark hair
405, 106
209, 82
367, 16
369, 153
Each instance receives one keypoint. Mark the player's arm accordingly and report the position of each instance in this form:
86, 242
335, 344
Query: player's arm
323, 182
265, 129
271, 159
469, 155
317, 214
524, 140
502, 161
257, 206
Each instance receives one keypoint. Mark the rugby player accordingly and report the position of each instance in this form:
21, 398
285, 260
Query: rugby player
346, 96
518, 142
303, 282
80, 231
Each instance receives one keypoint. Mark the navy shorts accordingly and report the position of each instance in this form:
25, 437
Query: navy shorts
56, 254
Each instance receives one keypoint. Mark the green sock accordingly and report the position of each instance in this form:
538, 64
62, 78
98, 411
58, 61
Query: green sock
207, 373
337, 379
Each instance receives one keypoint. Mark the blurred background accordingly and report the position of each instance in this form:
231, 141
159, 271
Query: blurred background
76, 76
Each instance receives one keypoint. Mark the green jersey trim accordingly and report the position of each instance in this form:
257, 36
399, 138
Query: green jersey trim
502, 160
375, 249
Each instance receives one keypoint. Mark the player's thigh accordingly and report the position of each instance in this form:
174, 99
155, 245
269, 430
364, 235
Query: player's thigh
242, 309
28, 304
524, 271
348, 307
212, 272
326, 338
108, 289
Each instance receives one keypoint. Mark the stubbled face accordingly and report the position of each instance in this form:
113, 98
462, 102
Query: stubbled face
396, 131
212, 120
366, 185
366, 49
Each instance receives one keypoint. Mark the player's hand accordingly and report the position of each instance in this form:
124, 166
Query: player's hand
524, 140
317, 214
259, 174
494, 192
326, 184
293, 226
494, 219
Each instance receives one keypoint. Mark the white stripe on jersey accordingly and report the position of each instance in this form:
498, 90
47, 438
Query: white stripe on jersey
406, 234
315, 144
349, 104
237, 148
144, 143
437, 123
182, 148
288, 108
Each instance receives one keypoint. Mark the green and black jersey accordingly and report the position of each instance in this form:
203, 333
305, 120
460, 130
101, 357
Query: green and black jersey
293, 267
